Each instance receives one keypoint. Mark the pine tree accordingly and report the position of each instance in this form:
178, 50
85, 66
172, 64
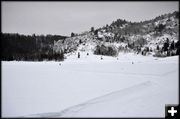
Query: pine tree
157, 47
92, 29
172, 46
166, 45
72, 34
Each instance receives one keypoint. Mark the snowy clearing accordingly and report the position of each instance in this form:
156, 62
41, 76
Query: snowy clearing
130, 86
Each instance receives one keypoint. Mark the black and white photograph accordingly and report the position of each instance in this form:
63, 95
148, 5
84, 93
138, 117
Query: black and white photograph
89, 59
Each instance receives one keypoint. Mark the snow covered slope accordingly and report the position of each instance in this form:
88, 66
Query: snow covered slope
130, 86
138, 36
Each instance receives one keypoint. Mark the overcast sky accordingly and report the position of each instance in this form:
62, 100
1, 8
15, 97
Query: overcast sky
65, 17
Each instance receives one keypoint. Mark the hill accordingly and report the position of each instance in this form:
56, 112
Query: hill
157, 37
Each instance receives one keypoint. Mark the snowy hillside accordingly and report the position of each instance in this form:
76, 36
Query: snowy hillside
129, 85
146, 38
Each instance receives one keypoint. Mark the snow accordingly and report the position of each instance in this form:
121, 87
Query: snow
125, 86
160, 40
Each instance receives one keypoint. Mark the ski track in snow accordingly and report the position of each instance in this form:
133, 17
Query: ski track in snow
139, 89
151, 84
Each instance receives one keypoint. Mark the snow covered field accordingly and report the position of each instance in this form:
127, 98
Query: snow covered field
130, 86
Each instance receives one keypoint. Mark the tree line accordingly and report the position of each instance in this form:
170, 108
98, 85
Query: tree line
33, 47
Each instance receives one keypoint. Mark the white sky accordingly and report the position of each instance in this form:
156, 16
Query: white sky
65, 17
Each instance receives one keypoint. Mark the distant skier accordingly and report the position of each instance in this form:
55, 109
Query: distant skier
87, 53
101, 58
78, 54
